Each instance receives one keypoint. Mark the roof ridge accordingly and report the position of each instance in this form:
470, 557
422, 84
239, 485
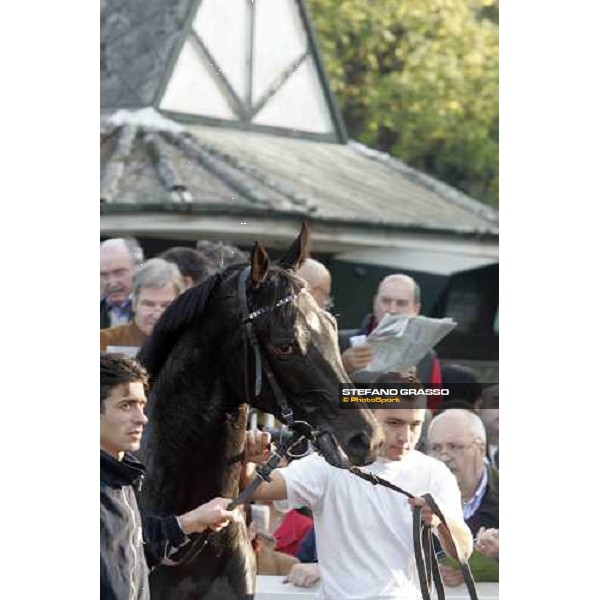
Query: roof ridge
447, 191
147, 117
115, 167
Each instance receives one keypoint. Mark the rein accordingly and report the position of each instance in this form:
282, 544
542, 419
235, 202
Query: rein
262, 473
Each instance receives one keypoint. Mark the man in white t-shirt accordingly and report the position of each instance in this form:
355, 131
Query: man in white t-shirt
364, 532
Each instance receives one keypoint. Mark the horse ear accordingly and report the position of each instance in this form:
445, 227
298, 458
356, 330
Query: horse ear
260, 263
298, 252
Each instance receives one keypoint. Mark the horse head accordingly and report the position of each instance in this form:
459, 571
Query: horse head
297, 341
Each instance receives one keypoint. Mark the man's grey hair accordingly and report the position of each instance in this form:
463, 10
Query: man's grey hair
470, 422
156, 273
131, 245
313, 270
135, 250
404, 279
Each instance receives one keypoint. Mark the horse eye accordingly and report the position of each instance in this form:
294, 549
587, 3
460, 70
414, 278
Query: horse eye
284, 349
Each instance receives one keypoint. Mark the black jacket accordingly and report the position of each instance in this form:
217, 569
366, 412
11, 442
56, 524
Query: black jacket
104, 316
129, 544
488, 514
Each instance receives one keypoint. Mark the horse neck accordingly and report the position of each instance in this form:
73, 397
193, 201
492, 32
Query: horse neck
190, 436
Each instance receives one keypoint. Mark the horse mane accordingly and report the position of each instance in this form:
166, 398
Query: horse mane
184, 311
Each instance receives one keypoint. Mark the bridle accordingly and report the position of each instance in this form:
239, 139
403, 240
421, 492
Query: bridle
250, 339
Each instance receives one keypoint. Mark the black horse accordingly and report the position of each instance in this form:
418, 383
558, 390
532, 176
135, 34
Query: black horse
203, 375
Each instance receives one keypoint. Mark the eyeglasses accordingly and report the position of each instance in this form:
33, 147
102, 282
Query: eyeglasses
451, 448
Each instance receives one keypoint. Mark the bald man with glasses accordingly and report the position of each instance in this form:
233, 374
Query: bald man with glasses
397, 294
457, 437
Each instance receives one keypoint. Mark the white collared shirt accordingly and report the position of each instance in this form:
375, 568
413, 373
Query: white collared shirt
471, 507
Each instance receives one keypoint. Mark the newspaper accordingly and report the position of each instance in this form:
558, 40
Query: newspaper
401, 341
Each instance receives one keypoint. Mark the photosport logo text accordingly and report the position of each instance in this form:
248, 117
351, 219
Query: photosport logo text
388, 397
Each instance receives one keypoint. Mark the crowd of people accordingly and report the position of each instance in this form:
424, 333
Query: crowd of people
449, 449
134, 293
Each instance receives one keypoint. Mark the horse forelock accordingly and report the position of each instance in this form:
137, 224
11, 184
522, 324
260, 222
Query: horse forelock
302, 319
279, 284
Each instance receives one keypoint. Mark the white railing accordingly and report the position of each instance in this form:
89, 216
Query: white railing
272, 588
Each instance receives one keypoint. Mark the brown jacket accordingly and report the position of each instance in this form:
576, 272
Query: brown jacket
122, 335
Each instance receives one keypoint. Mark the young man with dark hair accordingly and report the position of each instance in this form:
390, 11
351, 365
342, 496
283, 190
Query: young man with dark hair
130, 544
364, 532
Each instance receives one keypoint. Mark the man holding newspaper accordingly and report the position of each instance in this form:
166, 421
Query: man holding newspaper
394, 336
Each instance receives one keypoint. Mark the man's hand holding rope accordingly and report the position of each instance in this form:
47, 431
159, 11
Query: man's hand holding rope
456, 532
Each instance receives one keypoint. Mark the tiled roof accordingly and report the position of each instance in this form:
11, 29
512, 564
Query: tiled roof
148, 161
137, 41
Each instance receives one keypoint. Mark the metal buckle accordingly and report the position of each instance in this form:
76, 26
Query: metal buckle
287, 415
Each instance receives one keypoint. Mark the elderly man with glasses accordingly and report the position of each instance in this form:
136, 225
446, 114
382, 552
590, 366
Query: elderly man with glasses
155, 285
118, 259
457, 437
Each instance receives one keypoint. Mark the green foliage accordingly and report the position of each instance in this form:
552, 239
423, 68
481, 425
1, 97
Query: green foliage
482, 567
419, 79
